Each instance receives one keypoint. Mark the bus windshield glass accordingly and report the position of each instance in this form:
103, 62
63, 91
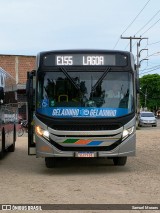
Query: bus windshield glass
100, 93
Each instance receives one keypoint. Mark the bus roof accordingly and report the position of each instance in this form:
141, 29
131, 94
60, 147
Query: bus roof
85, 51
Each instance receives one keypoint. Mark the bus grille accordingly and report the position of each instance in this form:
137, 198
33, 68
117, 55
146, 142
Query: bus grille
85, 127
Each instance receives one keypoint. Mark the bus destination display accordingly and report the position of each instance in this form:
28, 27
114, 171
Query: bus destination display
85, 60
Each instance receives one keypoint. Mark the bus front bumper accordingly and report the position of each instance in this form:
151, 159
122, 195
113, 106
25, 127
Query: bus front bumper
45, 149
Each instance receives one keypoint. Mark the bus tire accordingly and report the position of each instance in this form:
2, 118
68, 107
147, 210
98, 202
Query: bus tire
119, 161
11, 148
50, 162
3, 146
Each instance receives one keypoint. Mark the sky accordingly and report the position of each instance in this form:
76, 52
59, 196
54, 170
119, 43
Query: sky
31, 26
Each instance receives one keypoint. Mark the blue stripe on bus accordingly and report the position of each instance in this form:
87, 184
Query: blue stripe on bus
91, 112
94, 143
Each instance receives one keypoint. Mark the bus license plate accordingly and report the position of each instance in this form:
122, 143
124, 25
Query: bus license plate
85, 154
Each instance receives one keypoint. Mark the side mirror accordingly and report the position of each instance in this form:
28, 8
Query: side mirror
1, 93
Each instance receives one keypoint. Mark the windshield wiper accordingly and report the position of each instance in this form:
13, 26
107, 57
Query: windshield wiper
100, 79
69, 78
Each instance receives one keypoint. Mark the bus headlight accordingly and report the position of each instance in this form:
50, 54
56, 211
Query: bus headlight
127, 132
42, 132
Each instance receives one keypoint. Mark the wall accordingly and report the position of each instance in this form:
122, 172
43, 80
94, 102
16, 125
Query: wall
17, 66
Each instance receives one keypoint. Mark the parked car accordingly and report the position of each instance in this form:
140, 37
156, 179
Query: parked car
147, 119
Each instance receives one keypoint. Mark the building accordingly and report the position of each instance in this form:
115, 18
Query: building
18, 66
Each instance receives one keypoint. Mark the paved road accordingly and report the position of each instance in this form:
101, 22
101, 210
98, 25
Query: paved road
25, 179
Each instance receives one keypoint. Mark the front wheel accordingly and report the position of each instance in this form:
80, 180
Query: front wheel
50, 162
119, 161
12, 147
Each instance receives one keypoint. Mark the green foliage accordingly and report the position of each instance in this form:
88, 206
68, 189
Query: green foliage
150, 91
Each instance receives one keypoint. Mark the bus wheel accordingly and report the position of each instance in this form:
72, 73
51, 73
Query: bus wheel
119, 161
12, 147
50, 162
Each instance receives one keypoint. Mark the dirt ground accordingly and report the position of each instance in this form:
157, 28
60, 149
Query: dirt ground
25, 179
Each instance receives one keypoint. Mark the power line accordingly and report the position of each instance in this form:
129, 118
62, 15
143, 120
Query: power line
151, 27
158, 68
147, 22
154, 43
127, 46
144, 27
135, 18
149, 71
153, 54
154, 67
116, 43
131, 23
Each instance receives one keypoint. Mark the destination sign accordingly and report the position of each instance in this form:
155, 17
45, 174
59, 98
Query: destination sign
85, 60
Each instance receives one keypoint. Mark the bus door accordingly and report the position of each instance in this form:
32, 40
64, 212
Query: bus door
30, 90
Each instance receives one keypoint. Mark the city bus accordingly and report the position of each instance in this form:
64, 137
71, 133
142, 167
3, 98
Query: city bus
71, 113
8, 112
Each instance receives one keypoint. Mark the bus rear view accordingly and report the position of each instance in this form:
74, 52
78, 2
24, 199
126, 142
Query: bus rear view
83, 105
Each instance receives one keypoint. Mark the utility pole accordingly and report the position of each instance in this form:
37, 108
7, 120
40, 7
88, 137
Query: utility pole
131, 38
138, 64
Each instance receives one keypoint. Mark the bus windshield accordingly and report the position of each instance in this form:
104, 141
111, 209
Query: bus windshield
70, 93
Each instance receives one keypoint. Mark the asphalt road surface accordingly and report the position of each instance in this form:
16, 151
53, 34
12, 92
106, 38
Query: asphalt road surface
26, 180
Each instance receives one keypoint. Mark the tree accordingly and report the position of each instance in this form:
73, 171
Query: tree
150, 91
